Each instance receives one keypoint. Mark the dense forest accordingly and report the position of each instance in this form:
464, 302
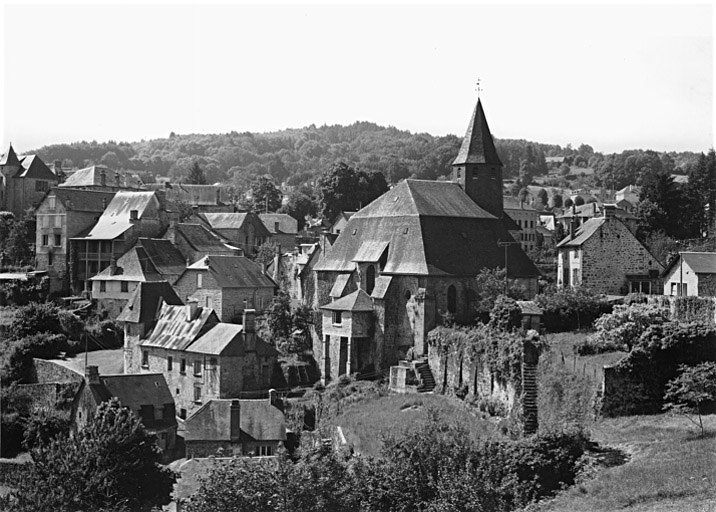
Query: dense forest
300, 156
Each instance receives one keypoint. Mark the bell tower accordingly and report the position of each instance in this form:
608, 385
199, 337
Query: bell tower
477, 167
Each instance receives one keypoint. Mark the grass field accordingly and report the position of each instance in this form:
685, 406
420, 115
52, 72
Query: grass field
365, 423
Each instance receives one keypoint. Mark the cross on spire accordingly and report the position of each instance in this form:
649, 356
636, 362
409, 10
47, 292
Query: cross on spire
478, 88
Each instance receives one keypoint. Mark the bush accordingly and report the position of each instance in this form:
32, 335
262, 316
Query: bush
567, 309
694, 309
36, 317
506, 314
21, 293
44, 425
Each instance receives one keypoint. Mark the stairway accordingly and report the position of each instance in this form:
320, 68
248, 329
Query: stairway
425, 376
529, 397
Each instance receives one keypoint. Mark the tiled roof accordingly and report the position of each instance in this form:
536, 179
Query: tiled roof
477, 146
92, 177
83, 200
286, 224
204, 239
10, 158
359, 300
700, 262
258, 419
143, 304
115, 219
35, 168
228, 340
584, 233
175, 330
134, 265
235, 221
339, 285
165, 257
234, 271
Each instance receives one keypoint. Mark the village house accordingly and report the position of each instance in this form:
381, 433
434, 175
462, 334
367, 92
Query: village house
152, 259
24, 181
100, 177
62, 215
200, 357
226, 284
691, 273
526, 217
236, 428
588, 211
146, 395
415, 251
339, 224
630, 193
206, 198
283, 229
242, 230
195, 241
129, 216
606, 257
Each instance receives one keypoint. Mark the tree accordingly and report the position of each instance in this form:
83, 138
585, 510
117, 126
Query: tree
300, 203
557, 200
111, 160
694, 388
196, 175
111, 464
281, 321
18, 243
542, 196
342, 188
266, 197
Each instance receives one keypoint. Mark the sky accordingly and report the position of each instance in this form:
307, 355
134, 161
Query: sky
612, 76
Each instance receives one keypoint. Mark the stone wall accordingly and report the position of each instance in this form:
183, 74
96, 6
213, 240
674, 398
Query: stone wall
43, 371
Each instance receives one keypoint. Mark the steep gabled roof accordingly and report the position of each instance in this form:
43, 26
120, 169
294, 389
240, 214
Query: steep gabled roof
584, 233
233, 271
287, 225
115, 219
10, 158
143, 305
176, 330
258, 419
700, 262
204, 239
134, 265
33, 167
165, 257
228, 340
356, 301
477, 146
83, 200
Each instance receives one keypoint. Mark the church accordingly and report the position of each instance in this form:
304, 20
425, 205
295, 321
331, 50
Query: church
411, 256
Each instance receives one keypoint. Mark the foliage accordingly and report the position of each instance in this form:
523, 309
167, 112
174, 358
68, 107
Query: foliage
196, 175
692, 390
301, 203
15, 404
506, 314
112, 463
21, 293
265, 195
265, 254
621, 328
567, 309
491, 285
695, 309
36, 317
280, 323
44, 425
344, 188
18, 243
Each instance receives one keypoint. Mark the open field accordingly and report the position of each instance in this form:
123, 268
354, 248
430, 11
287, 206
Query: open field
365, 423
669, 468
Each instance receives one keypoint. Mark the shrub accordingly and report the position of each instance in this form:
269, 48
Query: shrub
44, 425
36, 317
694, 309
567, 309
21, 293
506, 314
692, 392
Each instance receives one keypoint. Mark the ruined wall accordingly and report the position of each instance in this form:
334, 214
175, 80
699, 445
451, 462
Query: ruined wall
43, 371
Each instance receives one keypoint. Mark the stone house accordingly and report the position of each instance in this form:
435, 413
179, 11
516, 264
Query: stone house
60, 216
606, 257
202, 358
283, 229
227, 284
129, 216
100, 177
588, 211
206, 198
526, 217
235, 428
195, 241
242, 230
630, 193
24, 181
691, 273
339, 224
146, 395
416, 251
152, 259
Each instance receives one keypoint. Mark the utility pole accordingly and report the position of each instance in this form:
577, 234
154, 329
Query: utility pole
506, 245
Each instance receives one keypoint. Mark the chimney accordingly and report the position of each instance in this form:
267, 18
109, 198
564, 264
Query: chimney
275, 400
92, 374
116, 180
191, 307
610, 211
102, 178
133, 216
249, 323
58, 167
572, 226
235, 421
112, 266
277, 263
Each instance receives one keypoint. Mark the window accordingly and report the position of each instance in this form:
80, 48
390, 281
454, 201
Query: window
199, 280
197, 393
52, 202
370, 279
145, 358
337, 317
197, 368
452, 299
275, 227
182, 366
45, 240
103, 286
264, 451
170, 363
182, 413
125, 286
50, 258
58, 240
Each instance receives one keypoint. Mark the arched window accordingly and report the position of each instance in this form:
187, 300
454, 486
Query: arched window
370, 279
452, 299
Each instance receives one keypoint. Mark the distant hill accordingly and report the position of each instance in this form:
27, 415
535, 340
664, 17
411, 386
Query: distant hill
298, 156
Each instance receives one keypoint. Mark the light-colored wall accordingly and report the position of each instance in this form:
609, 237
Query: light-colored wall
685, 275
528, 220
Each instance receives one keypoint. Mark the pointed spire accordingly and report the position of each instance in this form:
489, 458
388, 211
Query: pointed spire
477, 146
10, 158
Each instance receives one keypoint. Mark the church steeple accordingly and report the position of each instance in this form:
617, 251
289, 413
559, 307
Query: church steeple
10, 158
478, 168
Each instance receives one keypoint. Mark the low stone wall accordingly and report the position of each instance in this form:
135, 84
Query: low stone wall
50, 395
624, 393
43, 371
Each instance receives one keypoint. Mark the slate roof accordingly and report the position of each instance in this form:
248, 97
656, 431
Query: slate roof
33, 167
228, 340
115, 219
593, 210
234, 271
286, 224
144, 303
225, 220
382, 283
175, 331
165, 257
431, 228
339, 285
258, 419
477, 146
359, 300
584, 233
83, 200
10, 158
135, 390
152, 259
91, 177
700, 262
199, 195
204, 239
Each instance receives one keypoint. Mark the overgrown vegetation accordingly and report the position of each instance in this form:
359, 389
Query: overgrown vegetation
21, 293
695, 309
568, 309
692, 392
